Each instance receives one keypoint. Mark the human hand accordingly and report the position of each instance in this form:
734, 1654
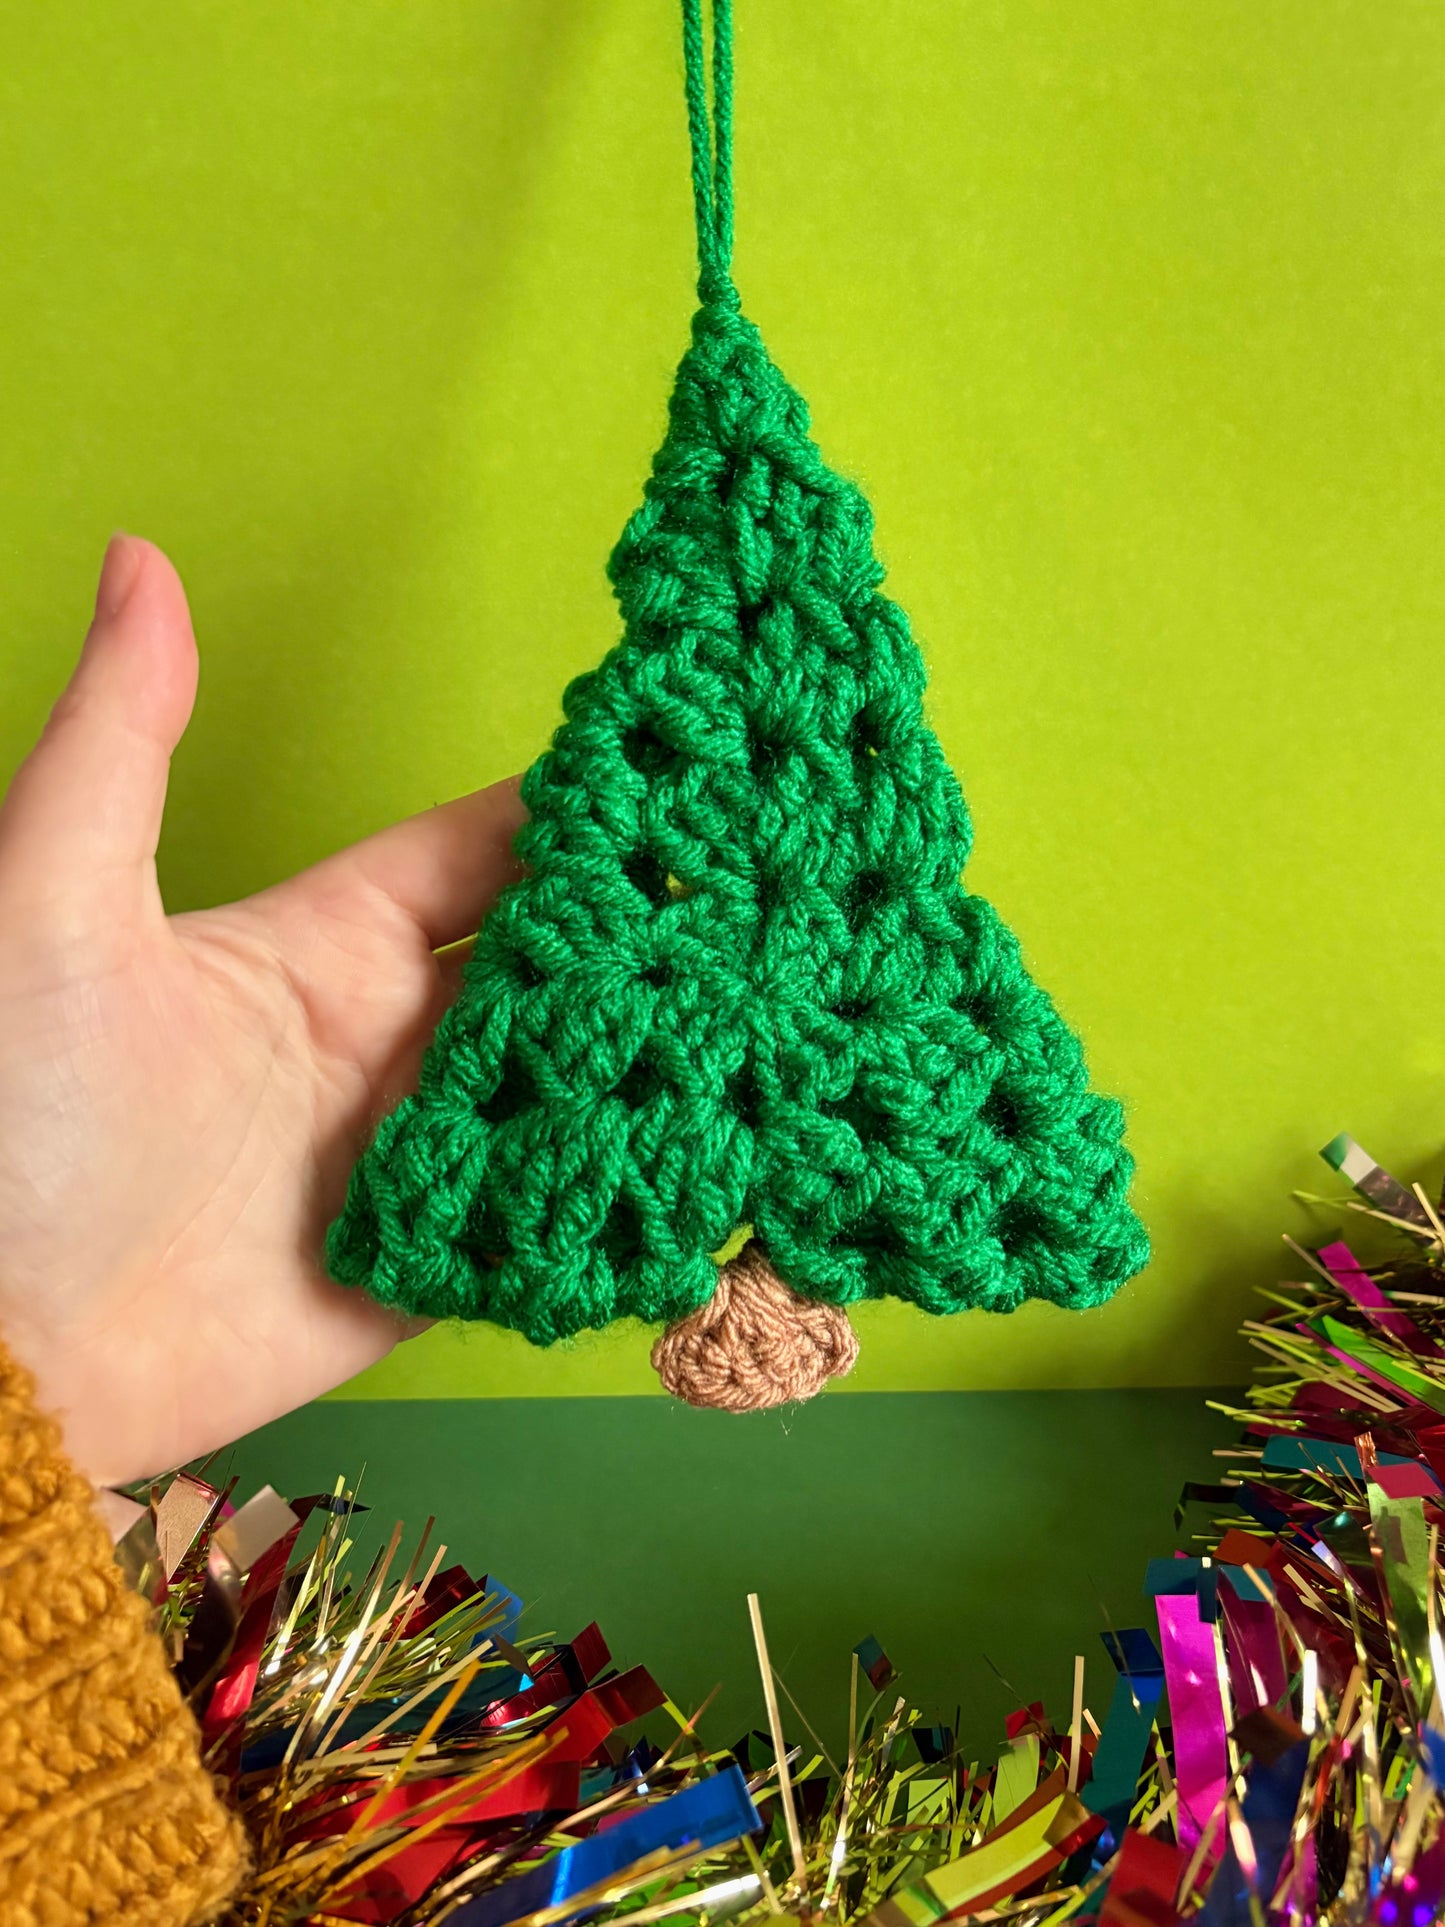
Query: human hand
181, 1098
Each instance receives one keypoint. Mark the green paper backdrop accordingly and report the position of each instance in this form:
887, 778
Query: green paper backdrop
1126, 314
984, 1537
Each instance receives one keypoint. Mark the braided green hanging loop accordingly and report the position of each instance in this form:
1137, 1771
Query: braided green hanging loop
712, 148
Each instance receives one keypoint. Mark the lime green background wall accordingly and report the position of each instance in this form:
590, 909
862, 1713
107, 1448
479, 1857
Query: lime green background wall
1126, 313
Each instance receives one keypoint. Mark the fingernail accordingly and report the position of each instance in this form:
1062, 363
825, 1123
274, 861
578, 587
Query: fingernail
117, 576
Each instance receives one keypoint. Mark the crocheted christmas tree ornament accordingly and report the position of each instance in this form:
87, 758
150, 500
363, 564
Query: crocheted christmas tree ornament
741, 984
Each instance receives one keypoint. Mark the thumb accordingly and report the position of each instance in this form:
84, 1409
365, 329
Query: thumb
84, 809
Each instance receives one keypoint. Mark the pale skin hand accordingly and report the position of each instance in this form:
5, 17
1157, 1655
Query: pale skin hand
181, 1098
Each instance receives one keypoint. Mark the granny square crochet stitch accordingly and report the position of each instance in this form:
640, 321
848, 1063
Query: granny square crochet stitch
741, 982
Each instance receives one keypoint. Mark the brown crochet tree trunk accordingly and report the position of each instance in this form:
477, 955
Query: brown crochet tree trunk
755, 1343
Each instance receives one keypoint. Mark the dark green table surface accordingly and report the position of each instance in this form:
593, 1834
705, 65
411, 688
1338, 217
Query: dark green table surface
983, 1537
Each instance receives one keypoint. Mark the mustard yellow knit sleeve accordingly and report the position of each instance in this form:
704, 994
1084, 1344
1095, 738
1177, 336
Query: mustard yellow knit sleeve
106, 1813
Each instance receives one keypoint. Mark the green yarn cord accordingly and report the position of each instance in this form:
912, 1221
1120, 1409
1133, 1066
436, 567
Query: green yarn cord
741, 981
712, 149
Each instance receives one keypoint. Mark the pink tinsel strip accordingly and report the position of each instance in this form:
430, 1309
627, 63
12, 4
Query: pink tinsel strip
1201, 1760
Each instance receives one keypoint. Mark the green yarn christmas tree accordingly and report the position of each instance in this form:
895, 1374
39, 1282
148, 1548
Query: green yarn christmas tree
741, 983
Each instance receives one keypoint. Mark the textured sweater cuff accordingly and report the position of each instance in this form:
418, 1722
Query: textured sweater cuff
106, 1811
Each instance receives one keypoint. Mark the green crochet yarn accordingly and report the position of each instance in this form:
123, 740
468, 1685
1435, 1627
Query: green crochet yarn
741, 981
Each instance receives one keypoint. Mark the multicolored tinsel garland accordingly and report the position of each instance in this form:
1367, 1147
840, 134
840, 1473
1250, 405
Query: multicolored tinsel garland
1273, 1752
